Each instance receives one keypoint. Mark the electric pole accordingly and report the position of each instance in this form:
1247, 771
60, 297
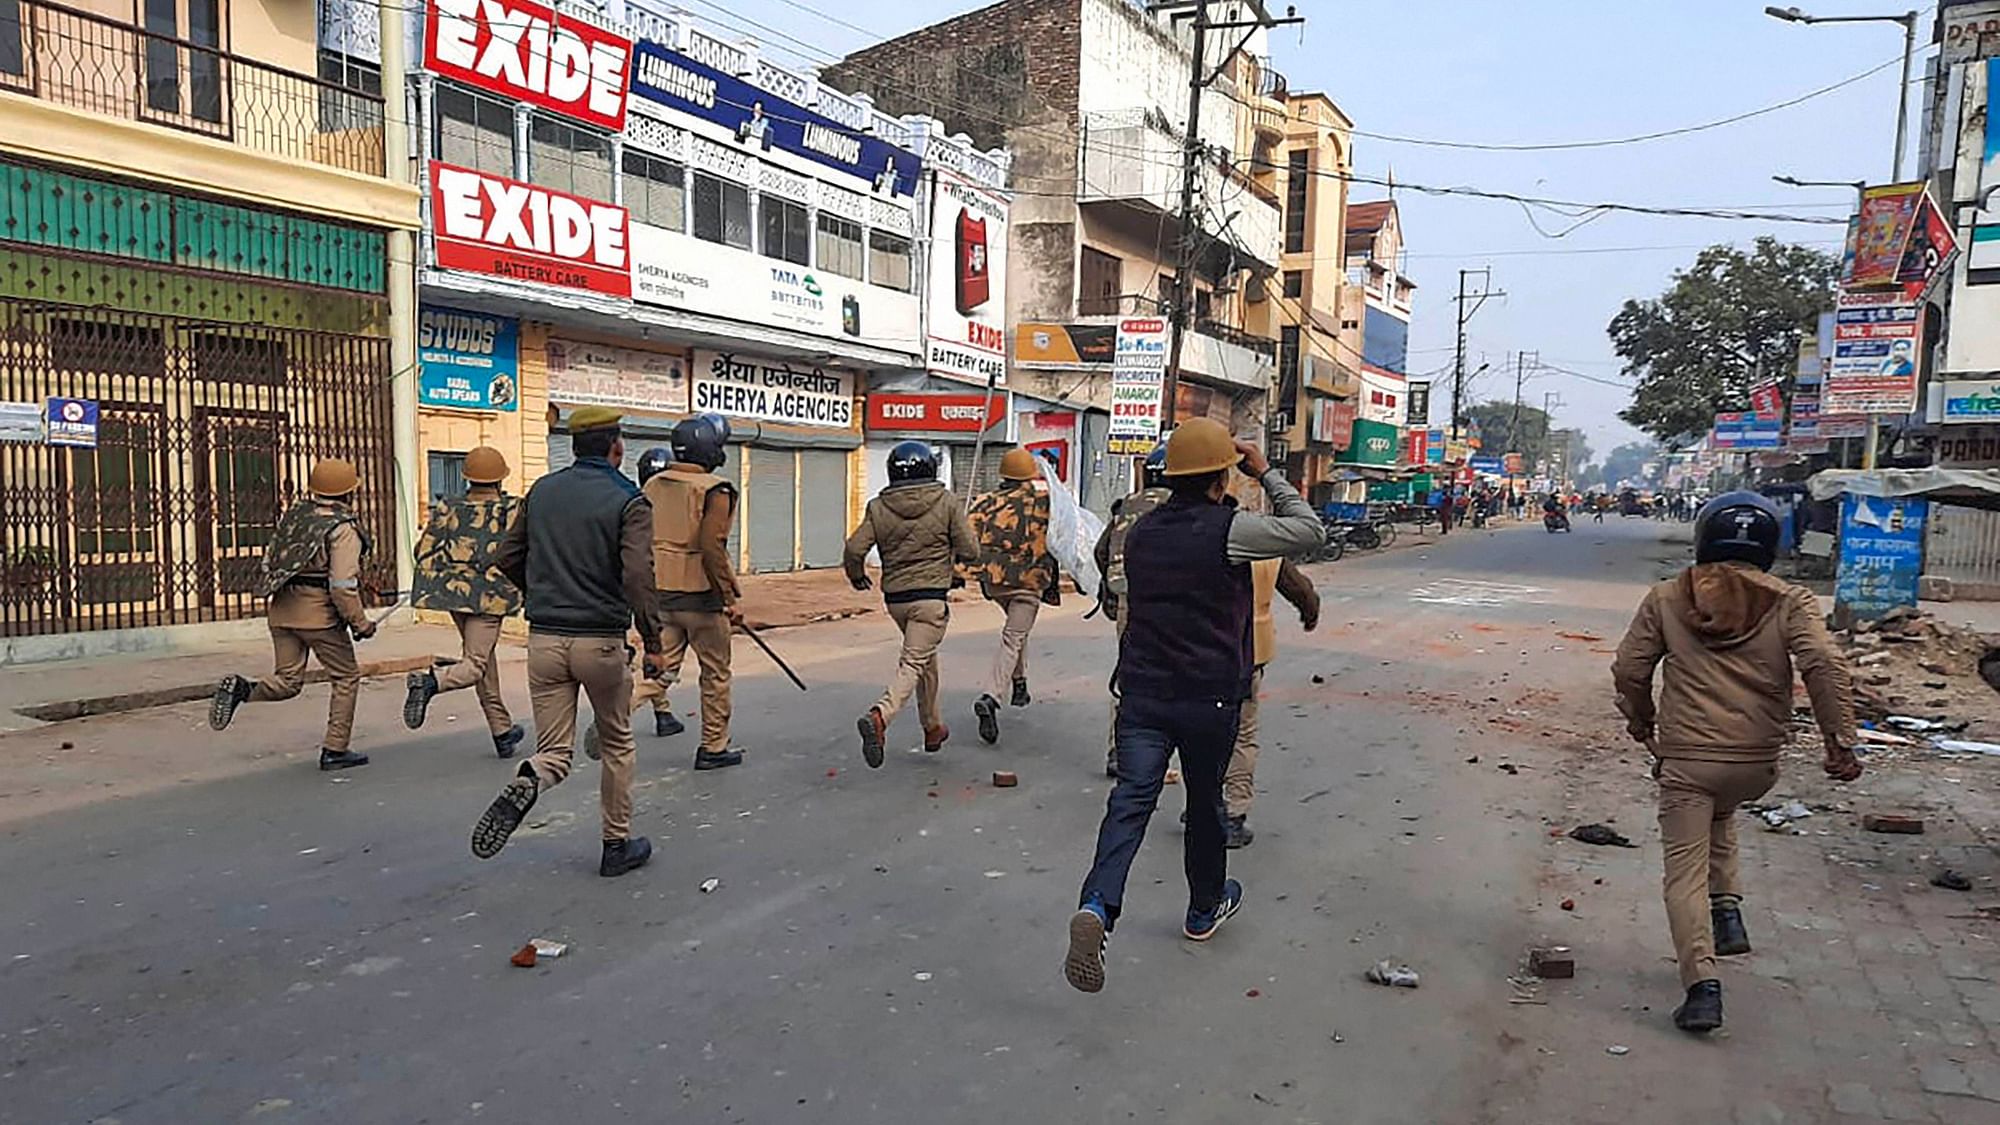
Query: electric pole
1520, 376
1465, 316
1192, 155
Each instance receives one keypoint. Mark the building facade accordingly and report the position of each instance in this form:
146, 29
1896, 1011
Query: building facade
195, 305
1374, 246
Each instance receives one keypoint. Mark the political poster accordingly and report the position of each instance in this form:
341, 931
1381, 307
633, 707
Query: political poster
1875, 358
1881, 553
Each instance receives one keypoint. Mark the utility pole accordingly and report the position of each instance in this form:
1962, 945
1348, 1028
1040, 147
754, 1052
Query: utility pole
1520, 377
1465, 316
1192, 153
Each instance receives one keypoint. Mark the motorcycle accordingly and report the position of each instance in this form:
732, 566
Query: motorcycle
1555, 521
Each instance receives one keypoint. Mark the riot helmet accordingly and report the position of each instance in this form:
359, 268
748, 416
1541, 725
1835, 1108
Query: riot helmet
652, 462
1154, 474
1737, 527
912, 461
702, 440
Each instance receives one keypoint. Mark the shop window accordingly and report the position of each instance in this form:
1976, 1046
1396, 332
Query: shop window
13, 47
106, 347
567, 158
1296, 181
839, 245
446, 472
655, 190
721, 211
167, 25
1295, 283
474, 131
787, 230
889, 261
1102, 277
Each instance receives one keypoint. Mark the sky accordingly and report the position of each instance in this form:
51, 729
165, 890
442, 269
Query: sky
1531, 72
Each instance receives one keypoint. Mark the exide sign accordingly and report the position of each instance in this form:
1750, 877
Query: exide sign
526, 52
490, 224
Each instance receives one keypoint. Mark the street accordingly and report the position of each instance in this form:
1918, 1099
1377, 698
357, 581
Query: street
200, 927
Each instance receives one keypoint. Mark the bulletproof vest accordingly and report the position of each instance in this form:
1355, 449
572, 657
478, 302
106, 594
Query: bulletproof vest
679, 495
1263, 586
302, 545
1188, 609
1129, 511
1013, 528
454, 566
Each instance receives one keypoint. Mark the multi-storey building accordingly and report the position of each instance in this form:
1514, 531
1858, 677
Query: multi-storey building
1374, 268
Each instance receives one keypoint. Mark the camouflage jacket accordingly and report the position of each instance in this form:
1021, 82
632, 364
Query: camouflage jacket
1012, 524
299, 547
454, 568
1124, 514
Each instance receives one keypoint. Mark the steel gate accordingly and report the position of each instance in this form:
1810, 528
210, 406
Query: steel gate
207, 431
1963, 544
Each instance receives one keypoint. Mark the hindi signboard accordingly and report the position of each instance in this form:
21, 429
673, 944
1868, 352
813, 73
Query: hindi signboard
1881, 553
1874, 371
772, 390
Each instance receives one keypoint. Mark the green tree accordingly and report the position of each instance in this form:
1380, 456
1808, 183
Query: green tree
1697, 347
1625, 462
1495, 420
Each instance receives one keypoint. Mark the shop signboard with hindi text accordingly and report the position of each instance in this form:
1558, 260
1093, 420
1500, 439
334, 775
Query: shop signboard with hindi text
1138, 384
1881, 553
1875, 355
591, 374
1888, 215
772, 390
1969, 447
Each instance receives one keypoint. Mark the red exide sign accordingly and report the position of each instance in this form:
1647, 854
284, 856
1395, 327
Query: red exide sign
523, 51
934, 413
490, 224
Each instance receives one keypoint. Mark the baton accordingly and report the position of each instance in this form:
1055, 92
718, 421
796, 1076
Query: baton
387, 613
775, 658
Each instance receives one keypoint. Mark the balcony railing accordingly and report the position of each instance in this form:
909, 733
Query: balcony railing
87, 61
1270, 82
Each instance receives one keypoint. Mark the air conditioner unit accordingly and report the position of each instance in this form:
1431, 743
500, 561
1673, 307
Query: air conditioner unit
1254, 292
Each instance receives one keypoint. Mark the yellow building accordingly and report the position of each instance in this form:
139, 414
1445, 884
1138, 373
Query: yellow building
195, 305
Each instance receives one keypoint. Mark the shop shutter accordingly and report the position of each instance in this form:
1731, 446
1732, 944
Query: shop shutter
1104, 478
773, 486
732, 471
823, 475
560, 455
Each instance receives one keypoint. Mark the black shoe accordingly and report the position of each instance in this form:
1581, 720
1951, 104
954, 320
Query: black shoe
505, 744
423, 686
1021, 698
231, 693
505, 813
1702, 1011
1111, 766
340, 759
621, 856
717, 759
988, 710
873, 730
1731, 939
1239, 834
666, 724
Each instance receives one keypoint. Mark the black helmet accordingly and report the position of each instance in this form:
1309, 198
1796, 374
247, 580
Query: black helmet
653, 461
1737, 527
1154, 475
700, 440
912, 461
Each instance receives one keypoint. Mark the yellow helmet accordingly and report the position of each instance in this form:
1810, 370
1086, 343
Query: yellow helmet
485, 465
1018, 464
1200, 445
333, 478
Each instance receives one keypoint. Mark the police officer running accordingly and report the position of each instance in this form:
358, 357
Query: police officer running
581, 551
1017, 573
920, 531
1184, 668
311, 573
1110, 554
455, 574
1731, 636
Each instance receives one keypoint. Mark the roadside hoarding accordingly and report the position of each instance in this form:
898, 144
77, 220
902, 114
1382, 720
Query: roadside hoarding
1767, 401
1968, 401
1375, 443
591, 374
482, 223
1875, 368
966, 300
1420, 404
932, 413
1138, 375
468, 360
1881, 553
1745, 430
522, 51
1888, 215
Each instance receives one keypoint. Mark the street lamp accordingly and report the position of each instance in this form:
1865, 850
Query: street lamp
1909, 22
1860, 186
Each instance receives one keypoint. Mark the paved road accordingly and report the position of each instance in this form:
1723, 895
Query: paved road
264, 941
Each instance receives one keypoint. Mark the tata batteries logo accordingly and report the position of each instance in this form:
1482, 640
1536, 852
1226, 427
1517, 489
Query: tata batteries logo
797, 290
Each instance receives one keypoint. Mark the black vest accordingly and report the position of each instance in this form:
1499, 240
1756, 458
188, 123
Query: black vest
1187, 608
576, 571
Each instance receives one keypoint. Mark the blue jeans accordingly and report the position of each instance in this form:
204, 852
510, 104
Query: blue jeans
1149, 732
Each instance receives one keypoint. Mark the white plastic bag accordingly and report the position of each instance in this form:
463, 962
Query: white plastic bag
1073, 532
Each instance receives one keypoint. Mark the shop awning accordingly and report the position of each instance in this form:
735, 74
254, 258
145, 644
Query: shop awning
1972, 488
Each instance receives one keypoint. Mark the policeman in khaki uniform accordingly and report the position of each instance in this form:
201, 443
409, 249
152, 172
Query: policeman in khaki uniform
1110, 554
695, 586
312, 575
1016, 572
1268, 577
455, 574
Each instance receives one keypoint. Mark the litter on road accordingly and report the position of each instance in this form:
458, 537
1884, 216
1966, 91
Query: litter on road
1893, 823
1553, 963
1005, 779
1393, 975
1600, 835
1951, 880
708, 886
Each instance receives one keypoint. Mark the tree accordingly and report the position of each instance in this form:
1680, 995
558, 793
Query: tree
1495, 420
1625, 462
1696, 349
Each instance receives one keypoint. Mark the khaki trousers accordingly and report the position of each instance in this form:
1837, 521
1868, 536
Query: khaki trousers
557, 666
923, 625
478, 633
1239, 781
1011, 662
1698, 803
335, 649
708, 634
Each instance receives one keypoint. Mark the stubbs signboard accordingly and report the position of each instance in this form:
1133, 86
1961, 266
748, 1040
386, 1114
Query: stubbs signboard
967, 297
1138, 384
484, 223
524, 51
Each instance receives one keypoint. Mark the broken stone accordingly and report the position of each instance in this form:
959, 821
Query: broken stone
1893, 823
1005, 779
1951, 880
1600, 835
1554, 963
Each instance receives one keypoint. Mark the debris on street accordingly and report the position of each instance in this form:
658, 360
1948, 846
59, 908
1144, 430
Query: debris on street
1600, 835
1618, 1050
1951, 880
1960, 746
1778, 818
1553, 963
524, 958
543, 947
1393, 975
1569, 904
1895, 823
708, 886
1005, 779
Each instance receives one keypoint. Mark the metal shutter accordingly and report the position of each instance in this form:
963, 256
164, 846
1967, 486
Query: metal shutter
823, 476
732, 471
773, 486
561, 456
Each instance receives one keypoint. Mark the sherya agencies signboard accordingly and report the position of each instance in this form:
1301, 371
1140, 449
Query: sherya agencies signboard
526, 51
490, 224
771, 390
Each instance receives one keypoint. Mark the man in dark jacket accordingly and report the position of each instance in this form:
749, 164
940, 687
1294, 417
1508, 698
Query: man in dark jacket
919, 529
1185, 662
582, 551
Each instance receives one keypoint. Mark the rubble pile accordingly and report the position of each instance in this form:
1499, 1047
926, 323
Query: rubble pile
1910, 663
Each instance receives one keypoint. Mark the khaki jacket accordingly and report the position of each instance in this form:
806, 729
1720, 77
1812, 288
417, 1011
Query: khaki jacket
920, 530
692, 513
1731, 637
1270, 577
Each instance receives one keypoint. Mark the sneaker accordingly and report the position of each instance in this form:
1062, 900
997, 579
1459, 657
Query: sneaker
1731, 939
873, 730
330, 760
1701, 1013
988, 710
231, 693
935, 738
1083, 966
423, 686
666, 724
717, 759
505, 744
505, 813
1238, 834
1202, 924
621, 856
1021, 697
